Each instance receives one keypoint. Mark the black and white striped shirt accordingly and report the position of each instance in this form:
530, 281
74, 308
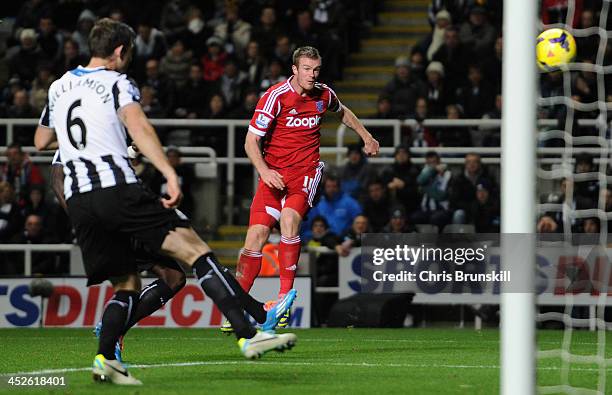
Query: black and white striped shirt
82, 109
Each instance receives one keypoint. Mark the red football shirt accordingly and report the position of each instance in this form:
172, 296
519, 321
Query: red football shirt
291, 123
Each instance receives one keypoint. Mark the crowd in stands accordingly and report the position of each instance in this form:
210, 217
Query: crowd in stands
192, 59
197, 59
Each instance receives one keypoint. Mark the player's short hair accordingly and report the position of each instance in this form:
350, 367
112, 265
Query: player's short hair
306, 52
108, 34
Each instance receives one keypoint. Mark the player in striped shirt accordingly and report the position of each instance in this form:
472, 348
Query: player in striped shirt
86, 116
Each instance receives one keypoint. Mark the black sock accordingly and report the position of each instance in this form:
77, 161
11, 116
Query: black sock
251, 305
223, 295
151, 299
115, 318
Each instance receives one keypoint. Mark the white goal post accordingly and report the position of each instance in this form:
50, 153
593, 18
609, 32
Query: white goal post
518, 170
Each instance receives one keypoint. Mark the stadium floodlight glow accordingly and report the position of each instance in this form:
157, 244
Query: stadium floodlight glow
518, 194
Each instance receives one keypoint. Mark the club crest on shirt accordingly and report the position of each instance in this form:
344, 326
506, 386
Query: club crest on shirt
262, 121
320, 106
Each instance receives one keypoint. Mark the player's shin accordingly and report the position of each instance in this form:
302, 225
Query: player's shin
117, 314
249, 265
216, 286
288, 255
151, 299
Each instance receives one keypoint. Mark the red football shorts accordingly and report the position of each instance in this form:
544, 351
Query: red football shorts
300, 189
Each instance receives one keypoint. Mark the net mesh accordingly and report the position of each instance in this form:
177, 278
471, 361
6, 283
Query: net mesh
582, 127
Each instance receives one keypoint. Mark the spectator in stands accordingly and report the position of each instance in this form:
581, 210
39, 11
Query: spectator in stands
584, 85
422, 136
175, 65
417, 65
434, 181
454, 136
215, 137
191, 102
21, 108
253, 64
49, 39
20, 172
273, 75
403, 90
327, 264
458, 9
245, 111
492, 65
376, 206
478, 96
40, 87
231, 85
24, 61
197, 32
164, 87
435, 40
81, 35
352, 239
588, 189
398, 222
36, 204
213, 61
33, 233
305, 32
553, 221
266, 32
400, 179
555, 11
587, 46
591, 225
438, 94
463, 188
477, 32
173, 18
149, 44
30, 13
491, 135
384, 134
234, 32
11, 220
455, 57
339, 209
283, 52
485, 209
70, 58
150, 104
185, 175
356, 173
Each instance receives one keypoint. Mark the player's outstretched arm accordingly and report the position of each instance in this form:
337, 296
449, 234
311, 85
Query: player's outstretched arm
45, 139
270, 177
349, 118
145, 138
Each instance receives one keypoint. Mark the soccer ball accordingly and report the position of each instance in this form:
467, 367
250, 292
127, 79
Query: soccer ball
554, 49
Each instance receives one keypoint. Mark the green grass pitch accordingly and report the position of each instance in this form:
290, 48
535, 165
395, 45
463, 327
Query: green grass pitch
347, 361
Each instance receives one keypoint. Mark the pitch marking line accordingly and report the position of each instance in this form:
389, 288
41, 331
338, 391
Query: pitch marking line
289, 363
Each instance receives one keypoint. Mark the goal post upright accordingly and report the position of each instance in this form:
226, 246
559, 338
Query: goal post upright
517, 375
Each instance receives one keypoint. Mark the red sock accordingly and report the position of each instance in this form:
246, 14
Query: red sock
288, 255
248, 268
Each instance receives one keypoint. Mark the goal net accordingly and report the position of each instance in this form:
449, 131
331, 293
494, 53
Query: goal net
572, 179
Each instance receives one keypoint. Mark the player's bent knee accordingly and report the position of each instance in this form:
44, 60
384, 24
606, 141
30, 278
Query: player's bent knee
257, 235
175, 279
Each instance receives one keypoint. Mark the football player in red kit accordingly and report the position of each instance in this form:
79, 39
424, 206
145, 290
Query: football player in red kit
288, 121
